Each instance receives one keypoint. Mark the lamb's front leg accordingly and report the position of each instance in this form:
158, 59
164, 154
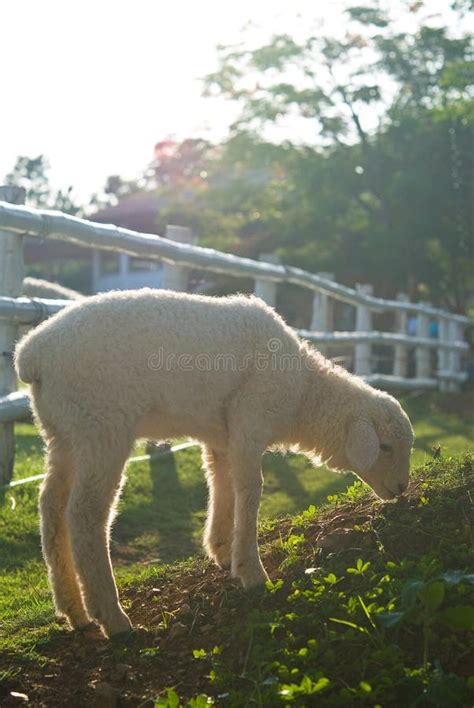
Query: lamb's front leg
219, 529
245, 466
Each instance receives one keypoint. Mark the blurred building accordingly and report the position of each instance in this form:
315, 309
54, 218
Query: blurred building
119, 271
91, 271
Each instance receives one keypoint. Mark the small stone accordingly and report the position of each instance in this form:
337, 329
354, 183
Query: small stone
184, 610
206, 628
105, 695
177, 630
158, 624
119, 672
338, 539
81, 653
102, 649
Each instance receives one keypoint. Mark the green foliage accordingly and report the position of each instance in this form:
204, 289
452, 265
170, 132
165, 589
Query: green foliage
415, 235
172, 700
368, 16
360, 567
390, 631
389, 205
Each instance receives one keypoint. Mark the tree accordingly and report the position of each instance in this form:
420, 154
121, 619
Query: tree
179, 166
335, 86
31, 174
382, 200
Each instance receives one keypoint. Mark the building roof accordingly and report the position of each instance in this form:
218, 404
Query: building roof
139, 211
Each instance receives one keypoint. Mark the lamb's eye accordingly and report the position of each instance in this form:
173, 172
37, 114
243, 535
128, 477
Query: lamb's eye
385, 447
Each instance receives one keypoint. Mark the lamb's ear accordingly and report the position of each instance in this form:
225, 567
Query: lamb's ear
362, 445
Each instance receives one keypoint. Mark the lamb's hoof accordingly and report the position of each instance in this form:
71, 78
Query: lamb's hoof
120, 625
250, 577
223, 560
221, 554
255, 583
77, 620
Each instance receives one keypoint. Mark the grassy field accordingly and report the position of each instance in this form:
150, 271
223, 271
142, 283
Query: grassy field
149, 532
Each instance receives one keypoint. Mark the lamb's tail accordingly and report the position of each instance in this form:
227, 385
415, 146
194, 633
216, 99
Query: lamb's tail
28, 359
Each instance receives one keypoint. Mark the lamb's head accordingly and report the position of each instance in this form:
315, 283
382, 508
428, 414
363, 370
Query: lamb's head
379, 439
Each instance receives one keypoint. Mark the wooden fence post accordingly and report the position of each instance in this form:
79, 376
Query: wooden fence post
322, 314
124, 260
400, 359
443, 355
422, 354
363, 350
175, 277
11, 283
266, 290
96, 264
454, 357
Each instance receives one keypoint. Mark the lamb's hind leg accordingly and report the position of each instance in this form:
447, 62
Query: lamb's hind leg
220, 518
95, 491
55, 538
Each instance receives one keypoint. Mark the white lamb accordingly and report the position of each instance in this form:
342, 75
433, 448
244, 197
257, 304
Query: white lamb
36, 287
225, 371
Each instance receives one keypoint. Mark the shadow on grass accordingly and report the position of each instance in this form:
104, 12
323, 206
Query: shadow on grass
162, 525
164, 511
14, 554
286, 476
321, 481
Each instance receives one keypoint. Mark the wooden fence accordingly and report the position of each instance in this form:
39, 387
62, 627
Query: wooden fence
436, 360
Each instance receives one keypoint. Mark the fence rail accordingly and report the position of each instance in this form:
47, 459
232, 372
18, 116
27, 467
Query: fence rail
436, 360
45, 224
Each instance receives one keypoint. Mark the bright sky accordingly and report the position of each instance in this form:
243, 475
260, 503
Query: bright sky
94, 84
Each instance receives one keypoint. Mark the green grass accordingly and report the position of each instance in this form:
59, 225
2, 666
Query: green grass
440, 419
382, 617
370, 604
149, 531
